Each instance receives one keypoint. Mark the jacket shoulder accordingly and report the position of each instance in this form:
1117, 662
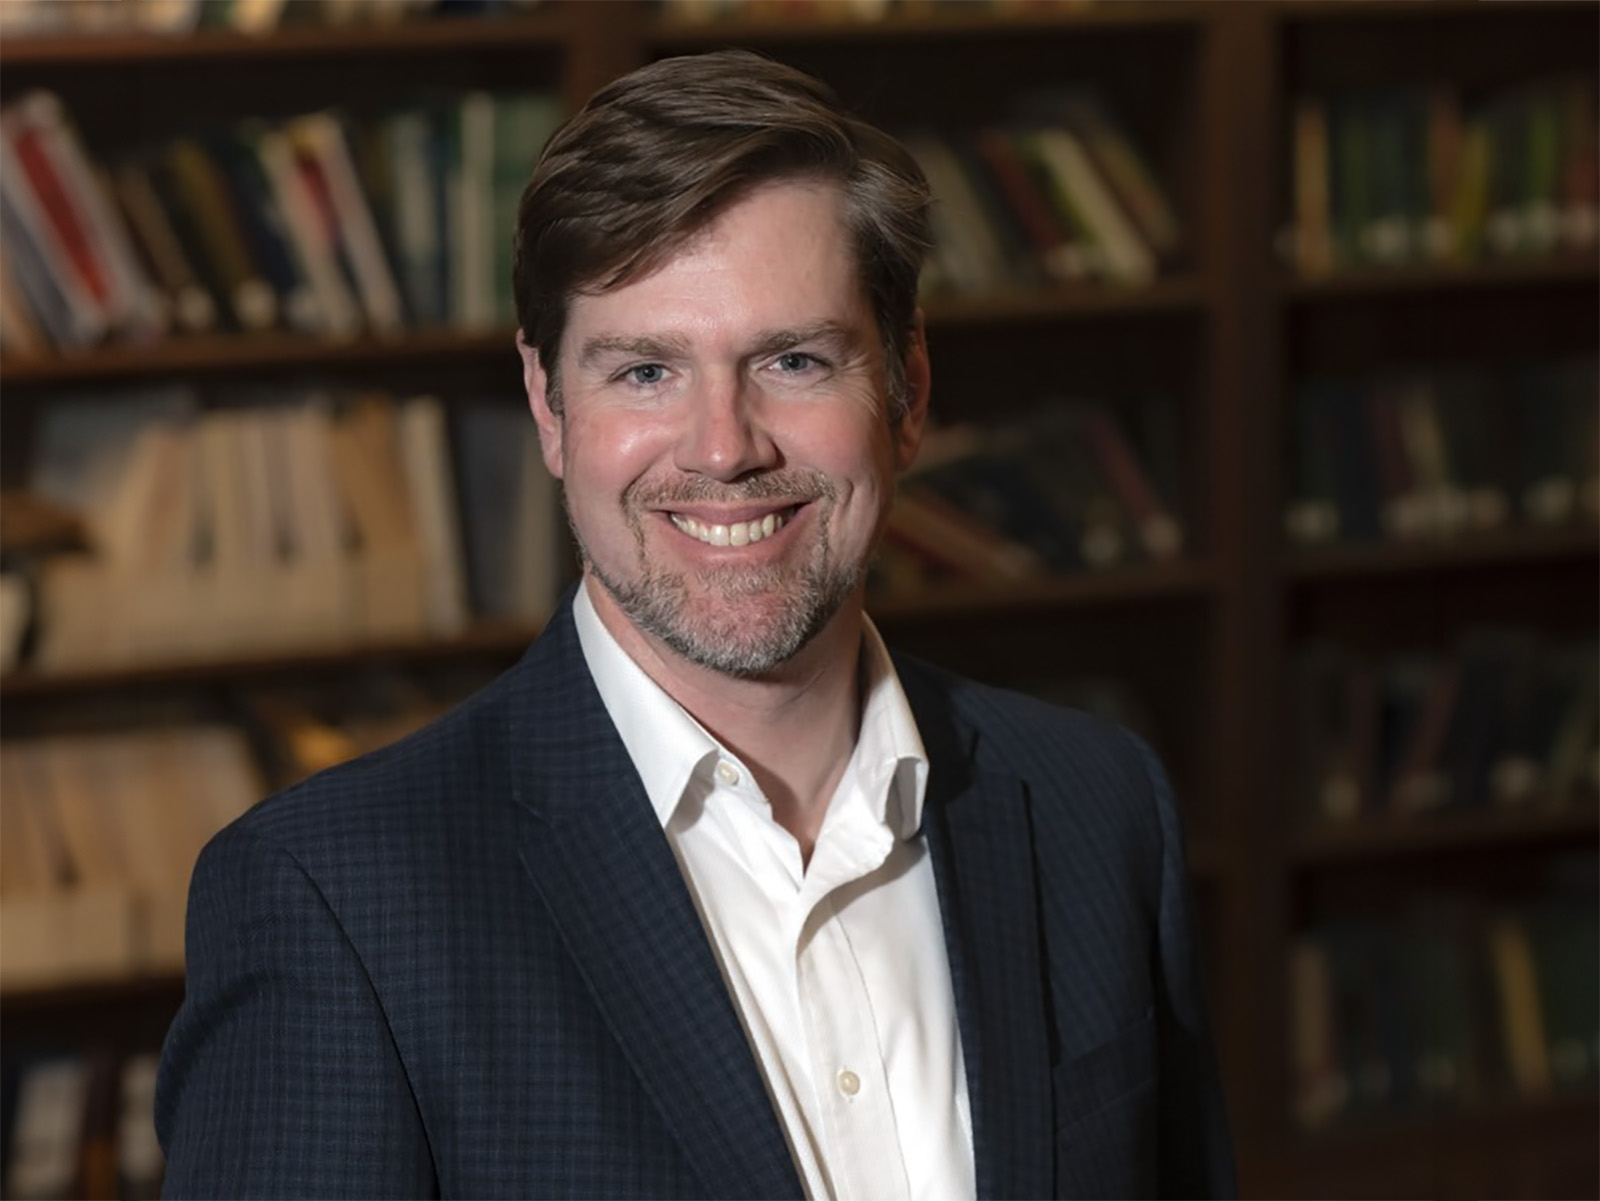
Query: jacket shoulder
443, 775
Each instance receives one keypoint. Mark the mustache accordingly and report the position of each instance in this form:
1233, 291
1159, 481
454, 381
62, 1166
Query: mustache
793, 484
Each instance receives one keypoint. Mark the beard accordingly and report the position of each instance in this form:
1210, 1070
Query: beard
748, 621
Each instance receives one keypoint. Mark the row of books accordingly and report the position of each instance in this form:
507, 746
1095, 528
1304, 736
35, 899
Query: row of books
318, 224
1427, 174
21, 18
81, 1125
1444, 452
859, 10
1071, 485
1064, 195
288, 520
100, 833
1510, 720
1454, 1006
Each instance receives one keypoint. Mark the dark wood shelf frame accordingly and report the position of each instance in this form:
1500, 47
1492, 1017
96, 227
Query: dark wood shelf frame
952, 21
487, 642
250, 353
362, 43
1189, 579
1491, 276
1239, 309
1377, 560
1368, 839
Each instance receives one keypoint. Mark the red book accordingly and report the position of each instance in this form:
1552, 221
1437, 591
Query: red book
62, 210
1033, 212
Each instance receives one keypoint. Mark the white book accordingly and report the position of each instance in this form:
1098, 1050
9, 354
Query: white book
222, 778
90, 320
51, 1103
968, 220
139, 1158
319, 524
472, 249
86, 445
309, 237
1127, 257
16, 608
380, 296
222, 494
249, 430
424, 449
122, 529
135, 304
416, 215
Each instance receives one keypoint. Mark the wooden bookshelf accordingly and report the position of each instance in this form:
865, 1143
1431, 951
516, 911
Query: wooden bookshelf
1229, 324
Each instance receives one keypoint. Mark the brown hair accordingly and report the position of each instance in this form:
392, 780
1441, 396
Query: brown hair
657, 155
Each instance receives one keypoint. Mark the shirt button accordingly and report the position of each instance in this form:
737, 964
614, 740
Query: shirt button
727, 773
849, 1083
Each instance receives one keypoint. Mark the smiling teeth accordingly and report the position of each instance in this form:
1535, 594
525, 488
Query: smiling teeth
740, 533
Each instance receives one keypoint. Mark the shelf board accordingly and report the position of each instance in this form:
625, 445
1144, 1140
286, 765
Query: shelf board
1175, 294
1166, 581
1404, 10
1498, 1121
364, 42
1375, 283
221, 355
939, 21
1398, 559
231, 354
89, 995
1427, 834
490, 642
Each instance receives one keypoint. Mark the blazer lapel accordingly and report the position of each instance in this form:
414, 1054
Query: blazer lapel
598, 858
981, 844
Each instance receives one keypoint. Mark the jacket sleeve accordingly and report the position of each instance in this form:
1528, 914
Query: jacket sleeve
1196, 1151
280, 1077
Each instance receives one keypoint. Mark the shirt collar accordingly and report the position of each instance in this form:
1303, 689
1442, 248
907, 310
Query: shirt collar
667, 745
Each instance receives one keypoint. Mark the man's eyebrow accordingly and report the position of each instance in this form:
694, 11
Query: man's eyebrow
834, 333
643, 347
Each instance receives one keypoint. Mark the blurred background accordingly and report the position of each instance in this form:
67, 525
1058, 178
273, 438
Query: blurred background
1265, 359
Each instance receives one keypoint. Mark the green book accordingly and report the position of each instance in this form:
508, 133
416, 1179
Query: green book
1565, 940
523, 123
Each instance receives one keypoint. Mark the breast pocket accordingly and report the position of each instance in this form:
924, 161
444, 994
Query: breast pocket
1105, 1116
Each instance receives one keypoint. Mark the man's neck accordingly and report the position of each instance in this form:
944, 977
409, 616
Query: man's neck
794, 729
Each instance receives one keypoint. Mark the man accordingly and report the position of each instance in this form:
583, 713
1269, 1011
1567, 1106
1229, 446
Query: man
709, 896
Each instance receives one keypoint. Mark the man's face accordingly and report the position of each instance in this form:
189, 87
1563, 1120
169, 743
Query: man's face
726, 437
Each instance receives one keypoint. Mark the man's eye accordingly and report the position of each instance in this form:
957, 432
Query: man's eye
646, 374
794, 361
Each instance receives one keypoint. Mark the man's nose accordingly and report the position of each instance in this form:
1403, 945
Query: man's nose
725, 436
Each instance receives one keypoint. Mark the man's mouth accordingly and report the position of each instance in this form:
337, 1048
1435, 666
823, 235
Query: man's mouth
734, 533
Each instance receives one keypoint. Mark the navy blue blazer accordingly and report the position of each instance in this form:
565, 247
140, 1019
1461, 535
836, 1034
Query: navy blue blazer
468, 966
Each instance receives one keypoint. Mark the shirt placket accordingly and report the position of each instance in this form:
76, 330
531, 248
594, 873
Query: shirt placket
848, 1073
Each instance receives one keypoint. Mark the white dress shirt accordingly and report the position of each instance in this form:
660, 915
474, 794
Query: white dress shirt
838, 969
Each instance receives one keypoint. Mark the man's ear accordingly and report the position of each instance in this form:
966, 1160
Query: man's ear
536, 380
913, 419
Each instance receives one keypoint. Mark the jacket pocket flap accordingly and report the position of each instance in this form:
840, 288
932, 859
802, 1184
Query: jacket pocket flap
1105, 1073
